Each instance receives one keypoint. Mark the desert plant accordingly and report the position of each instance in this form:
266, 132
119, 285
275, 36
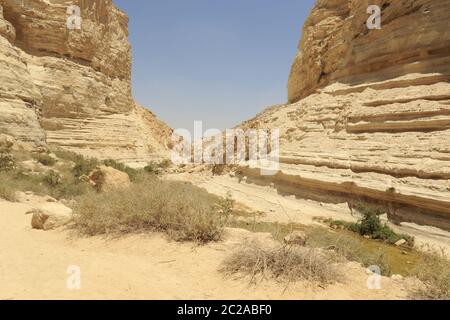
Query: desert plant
184, 212
132, 173
370, 225
83, 166
7, 162
52, 178
284, 263
45, 159
434, 271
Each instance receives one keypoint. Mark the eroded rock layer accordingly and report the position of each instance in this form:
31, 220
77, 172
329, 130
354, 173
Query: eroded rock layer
372, 117
72, 88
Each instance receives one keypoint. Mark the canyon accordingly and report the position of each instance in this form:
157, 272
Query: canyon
71, 88
368, 116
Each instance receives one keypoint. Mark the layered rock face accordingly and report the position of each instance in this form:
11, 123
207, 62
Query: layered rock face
72, 88
370, 113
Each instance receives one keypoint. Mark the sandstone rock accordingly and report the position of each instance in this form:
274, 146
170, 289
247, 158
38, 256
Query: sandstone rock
297, 238
109, 179
49, 217
72, 88
397, 277
400, 242
369, 111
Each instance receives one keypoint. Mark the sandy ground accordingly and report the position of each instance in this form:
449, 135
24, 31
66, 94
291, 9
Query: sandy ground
33, 265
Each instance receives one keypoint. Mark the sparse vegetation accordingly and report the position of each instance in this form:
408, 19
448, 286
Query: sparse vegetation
184, 212
285, 263
371, 226
132, 173
52, 178
83, 166
157, 168
434, 271
348, 247
45, 159
7, 162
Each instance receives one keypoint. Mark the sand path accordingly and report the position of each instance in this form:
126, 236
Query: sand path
33, 265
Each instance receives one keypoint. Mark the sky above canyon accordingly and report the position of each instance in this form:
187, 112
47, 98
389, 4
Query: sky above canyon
221, 62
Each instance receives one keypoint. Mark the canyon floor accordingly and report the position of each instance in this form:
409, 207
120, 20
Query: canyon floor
34, 266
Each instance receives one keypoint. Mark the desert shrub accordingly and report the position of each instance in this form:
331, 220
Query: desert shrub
66, 154
371, 225
132, 173
218, 169
7, 162
434, 271
45, 159
165, 164
52, 178
225, 207
284, 263
84, 166
156, 168
183, 211
153, 168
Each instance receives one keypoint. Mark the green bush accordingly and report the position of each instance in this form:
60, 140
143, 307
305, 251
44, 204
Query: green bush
52, 178
132, 173
83, 166
371, 225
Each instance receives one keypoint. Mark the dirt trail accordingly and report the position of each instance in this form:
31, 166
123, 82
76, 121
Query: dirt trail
33, 265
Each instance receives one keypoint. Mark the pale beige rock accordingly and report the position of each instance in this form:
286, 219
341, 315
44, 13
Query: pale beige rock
109, 179
50, 216
370, 117
337, 46
72, 88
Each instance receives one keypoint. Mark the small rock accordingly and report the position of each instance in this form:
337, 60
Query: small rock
297, 238
397, 277
109, 179
50, 217
400, 242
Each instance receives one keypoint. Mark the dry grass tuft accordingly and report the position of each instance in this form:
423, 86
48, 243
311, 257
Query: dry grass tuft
434, 272
184, 212
284, 263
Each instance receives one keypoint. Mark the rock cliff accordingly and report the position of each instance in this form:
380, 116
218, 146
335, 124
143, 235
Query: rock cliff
369, 112
71, 87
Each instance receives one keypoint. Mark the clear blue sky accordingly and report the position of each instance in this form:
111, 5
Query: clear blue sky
217, 61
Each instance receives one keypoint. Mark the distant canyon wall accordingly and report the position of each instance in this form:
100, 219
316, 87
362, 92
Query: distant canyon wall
72, 88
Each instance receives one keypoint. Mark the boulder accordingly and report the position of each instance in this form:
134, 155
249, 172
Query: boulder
50, 216
109, 179
297, 238
400, 242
